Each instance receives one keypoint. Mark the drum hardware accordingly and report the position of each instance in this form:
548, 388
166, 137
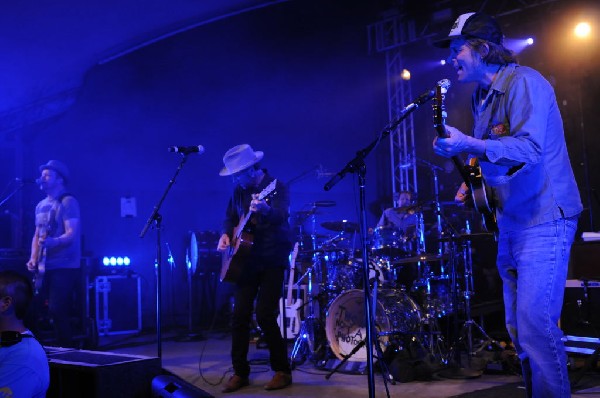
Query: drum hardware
306, 344
466, 332
341, 226
385, 372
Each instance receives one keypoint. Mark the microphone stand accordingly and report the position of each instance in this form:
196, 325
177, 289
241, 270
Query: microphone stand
357, 165
156, 219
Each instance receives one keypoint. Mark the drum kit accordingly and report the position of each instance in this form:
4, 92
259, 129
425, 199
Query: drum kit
414, 289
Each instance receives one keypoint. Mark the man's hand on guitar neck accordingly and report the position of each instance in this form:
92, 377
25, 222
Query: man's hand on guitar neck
457, 143
259, 206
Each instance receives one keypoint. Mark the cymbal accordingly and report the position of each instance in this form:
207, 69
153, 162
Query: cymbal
476, 235
420, 257
323, 203
414, 208
340, 226
305, 213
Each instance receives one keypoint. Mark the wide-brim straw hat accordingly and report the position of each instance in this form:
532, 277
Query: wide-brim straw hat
239, 158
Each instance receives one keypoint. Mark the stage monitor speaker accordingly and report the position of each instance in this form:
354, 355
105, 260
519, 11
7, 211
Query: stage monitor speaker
170, 386
91, 374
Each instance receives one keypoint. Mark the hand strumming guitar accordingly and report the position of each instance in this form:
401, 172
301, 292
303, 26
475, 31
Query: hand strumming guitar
463, 194
224, 243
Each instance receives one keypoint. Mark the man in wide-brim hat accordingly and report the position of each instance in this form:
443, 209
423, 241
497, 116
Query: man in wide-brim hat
257, 265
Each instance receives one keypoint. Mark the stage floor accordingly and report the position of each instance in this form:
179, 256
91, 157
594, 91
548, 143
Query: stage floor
206, 365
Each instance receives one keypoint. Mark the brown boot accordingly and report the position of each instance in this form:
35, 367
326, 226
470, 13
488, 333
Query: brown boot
235, 383
280, 380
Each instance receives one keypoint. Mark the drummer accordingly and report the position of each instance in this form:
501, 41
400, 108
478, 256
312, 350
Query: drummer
402, 216
403, 219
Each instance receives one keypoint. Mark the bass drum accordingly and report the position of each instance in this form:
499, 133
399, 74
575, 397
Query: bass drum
345, 325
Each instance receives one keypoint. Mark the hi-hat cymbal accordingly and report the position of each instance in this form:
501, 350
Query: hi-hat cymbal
419, 257
414, 208
475, 235
340, 226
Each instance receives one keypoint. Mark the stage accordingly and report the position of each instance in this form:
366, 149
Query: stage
205, 364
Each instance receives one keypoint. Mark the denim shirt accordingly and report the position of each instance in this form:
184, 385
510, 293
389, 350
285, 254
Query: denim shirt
526, 161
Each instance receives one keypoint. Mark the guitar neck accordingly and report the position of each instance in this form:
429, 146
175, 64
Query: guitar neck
440, 128
292, 271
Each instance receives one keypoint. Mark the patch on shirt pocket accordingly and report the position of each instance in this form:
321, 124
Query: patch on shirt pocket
499, 130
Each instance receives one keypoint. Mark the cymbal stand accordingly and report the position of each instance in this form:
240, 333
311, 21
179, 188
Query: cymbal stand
466, 332
468, 293
304, 346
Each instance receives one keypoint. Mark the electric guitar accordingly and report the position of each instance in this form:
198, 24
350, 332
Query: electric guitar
292, 307
470, 173
40, 261
234, 257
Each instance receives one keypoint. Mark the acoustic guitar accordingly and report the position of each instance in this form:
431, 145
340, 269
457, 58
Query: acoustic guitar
471, 173
289, 306
235, 256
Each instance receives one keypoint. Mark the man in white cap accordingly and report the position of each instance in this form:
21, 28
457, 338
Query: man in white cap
56, 249
518, 138
263, 265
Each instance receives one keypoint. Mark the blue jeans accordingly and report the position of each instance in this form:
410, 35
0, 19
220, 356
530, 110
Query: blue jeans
533, 265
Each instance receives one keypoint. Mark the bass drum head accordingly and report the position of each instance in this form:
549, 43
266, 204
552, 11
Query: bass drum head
345, 325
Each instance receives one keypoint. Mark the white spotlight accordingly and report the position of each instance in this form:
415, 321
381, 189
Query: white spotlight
529, 41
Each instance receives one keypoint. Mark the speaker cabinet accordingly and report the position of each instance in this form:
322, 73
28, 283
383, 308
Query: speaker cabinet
91, 374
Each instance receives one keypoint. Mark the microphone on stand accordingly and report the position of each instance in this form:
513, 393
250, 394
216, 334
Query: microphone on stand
27, 180
186, 150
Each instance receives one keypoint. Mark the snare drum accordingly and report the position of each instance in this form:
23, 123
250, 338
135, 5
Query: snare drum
345, 324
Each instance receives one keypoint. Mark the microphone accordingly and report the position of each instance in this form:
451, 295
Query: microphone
186, 150
27, 180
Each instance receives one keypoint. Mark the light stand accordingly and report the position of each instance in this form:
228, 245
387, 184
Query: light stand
156, 219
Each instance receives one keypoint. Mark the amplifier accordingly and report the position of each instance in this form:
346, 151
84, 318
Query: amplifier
118, 304
580, 319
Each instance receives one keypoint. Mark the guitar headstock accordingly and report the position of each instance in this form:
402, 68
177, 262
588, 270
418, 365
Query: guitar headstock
294, 254
439, 109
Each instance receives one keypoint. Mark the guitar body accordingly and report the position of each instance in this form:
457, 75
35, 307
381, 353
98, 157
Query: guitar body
236, 256
40, 270
292, 317
480, 193
237, 253
40, 261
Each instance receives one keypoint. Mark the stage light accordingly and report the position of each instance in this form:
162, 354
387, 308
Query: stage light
405, 74
582, 30
116, 261
443, 62
529, 41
